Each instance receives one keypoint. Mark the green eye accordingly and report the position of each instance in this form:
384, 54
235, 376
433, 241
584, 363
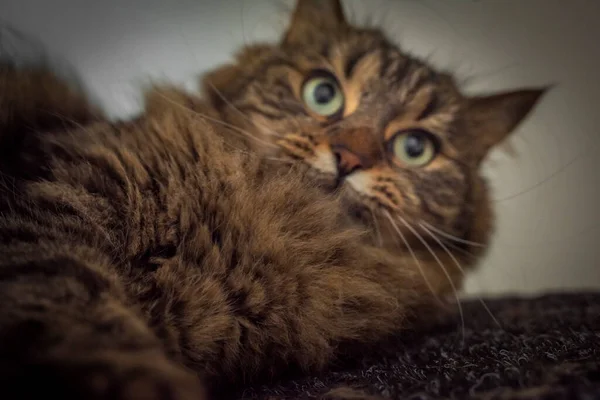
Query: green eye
414, 148
323, 96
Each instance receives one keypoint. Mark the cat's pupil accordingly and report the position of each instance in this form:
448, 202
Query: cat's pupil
414, 145
324, 92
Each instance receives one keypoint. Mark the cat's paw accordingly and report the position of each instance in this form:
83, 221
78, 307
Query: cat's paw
110, 375
140, 377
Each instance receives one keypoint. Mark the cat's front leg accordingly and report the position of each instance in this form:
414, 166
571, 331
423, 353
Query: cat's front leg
293, 303
65, 330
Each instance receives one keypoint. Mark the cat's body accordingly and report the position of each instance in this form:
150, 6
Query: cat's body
133, 251
157, 229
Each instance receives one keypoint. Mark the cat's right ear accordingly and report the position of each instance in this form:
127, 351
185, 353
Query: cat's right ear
315, 16
493, 117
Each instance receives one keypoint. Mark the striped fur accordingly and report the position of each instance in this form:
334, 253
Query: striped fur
173, 256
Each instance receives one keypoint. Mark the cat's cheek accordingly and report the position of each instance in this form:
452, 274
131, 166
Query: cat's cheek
323, 161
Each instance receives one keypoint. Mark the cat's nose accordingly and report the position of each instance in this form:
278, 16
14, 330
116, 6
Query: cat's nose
347, 161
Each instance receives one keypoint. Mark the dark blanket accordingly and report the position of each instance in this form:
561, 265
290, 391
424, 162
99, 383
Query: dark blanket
545, 348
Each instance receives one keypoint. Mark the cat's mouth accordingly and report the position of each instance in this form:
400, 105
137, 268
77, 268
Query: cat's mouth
337, 185
328, 183
356, 210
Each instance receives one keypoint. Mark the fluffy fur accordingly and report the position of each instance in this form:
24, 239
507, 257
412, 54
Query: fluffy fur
387, 94
192, 241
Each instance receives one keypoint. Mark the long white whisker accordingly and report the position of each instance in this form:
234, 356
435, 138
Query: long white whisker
282, 160
230, 104
463, 251
462, 270
277, 159
217, 121
224, 99
412, 253
441, 264
452, 237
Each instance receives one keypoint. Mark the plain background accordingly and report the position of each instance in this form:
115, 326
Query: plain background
546, 198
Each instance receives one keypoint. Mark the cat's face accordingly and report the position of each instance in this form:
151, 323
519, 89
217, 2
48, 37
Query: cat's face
395, 135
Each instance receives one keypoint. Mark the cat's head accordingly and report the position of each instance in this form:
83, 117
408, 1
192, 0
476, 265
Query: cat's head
394, 134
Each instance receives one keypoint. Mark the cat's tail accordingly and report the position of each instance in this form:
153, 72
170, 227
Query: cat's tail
35, 95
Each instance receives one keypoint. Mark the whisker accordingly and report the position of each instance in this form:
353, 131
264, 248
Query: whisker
462, 270
441, 264
230, 104
377, 228
412, 253
283, 160
452, 237
463, 251
226, 143
506, 244
215, 89
549, 177
293, 103
217, 121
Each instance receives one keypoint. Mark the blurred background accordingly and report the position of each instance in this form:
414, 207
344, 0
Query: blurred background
546, 196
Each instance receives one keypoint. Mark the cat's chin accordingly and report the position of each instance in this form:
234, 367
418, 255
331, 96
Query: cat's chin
327, 183
357, 211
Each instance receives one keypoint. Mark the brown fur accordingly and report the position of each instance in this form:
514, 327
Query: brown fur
386, 92
137, 255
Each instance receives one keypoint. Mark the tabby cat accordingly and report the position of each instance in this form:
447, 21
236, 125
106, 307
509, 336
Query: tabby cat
311, 199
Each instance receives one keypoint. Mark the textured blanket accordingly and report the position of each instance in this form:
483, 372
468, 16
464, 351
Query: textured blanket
538, 348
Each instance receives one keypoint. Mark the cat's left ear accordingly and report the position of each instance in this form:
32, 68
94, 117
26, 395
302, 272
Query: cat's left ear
494, 117
313, 17
219, 84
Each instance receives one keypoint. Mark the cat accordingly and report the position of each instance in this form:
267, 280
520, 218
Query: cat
306, 201
363, 117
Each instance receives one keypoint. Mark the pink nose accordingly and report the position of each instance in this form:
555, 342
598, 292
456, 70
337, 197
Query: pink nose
347, 161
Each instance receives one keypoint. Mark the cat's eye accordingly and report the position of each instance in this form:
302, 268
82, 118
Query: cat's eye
322, 94
414, 148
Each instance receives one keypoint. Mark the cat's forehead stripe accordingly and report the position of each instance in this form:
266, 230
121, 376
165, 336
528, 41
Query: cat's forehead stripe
430, 108
352, 61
